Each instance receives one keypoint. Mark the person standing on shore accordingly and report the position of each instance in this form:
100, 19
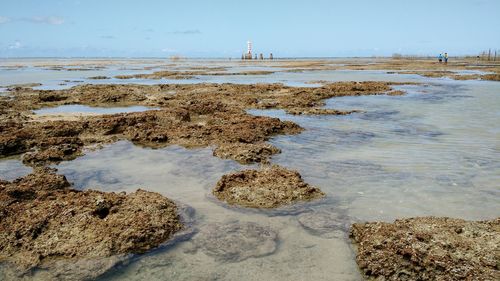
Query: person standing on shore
445, 57
440, 57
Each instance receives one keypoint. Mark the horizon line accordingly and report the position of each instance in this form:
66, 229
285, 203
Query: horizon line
235, 58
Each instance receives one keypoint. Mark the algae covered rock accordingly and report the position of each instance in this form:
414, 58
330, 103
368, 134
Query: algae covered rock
44, 221
268, 187
246, 153
428, 248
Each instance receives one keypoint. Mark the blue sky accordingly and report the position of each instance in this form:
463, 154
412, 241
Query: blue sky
220, 28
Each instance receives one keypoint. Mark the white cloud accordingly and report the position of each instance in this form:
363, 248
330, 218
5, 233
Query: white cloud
4, 19
187, 32
16, 45
53, 20
47, 20
167, 50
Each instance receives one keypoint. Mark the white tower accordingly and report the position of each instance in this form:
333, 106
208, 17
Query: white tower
249, 48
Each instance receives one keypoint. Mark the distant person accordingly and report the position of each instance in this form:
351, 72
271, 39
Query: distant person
440, 57
445, 57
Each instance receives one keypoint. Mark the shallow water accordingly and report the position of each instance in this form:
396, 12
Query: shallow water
12, 168
188, 176
84, 109
435, 151
426, 153
37, 71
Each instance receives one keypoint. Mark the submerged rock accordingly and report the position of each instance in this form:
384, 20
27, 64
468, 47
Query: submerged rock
269, 187
428, 248
236, 241
43, 221
324, 224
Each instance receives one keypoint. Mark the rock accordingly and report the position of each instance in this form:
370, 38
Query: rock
52, 154
191, 116
167, 74
324, 224
99, 77
269, 187
246, 153
236, 241
396, 93
44, 221
319, 111
428, 248
82, 269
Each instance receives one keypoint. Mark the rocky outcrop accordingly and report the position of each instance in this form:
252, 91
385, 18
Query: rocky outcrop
246, 153
44, 220
269, 187
428, 248
60, 140
319, 111
190, 74
189, 115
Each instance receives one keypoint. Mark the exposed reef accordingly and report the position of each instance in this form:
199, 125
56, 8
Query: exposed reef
268, 187
44, 220
99, 77
246, 153
319, 111
456, 68
428, 248
189, 115
190, 74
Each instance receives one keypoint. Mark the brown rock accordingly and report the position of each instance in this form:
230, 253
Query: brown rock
269, 187
190, 115
99, 77
396, 93
319, 111
43, 220
428, 248
246, 153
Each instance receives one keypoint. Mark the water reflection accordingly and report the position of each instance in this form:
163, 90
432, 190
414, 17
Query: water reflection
12, 168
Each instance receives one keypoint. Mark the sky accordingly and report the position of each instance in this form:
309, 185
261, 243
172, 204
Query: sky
221, 28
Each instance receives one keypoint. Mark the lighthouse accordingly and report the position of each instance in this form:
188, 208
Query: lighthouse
249, 48
248, 55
